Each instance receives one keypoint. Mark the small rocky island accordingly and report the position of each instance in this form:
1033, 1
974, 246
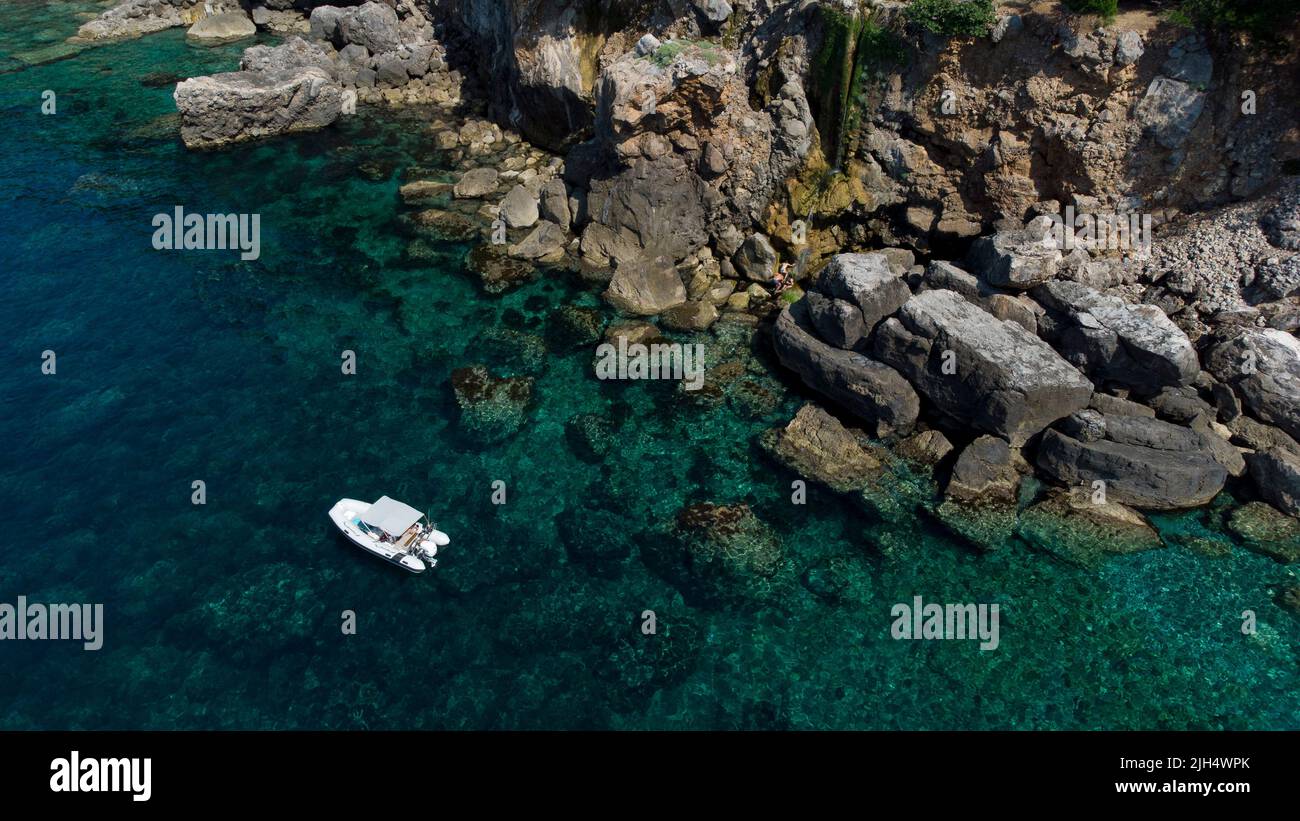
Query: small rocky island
911, 176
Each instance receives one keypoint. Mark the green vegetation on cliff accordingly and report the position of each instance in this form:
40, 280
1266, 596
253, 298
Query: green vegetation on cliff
955, 18
855, 48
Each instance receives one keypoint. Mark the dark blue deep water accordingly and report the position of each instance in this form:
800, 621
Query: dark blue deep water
183, 366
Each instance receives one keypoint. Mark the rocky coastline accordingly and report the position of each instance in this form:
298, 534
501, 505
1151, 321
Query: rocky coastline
676, 155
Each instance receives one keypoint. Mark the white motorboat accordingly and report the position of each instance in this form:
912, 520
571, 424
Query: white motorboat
390, 530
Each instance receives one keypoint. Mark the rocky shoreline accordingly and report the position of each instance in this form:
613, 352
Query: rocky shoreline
675, 155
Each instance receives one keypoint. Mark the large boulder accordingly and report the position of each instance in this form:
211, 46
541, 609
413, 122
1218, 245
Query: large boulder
372, 25
226, 27
651, 209
646, 287
866, 282
985, 472
817, 447
989, 373
1137, 346
1169, 109
756, 258
294, 52
519, 208
225, 108
1017, 259
1263, 366
1143, 462
1277, 475
868, 389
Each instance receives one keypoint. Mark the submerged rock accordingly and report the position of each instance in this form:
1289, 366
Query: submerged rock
1070, 525
1265, 530
497, 272
716, 553
492, 408
980, 499
817, 447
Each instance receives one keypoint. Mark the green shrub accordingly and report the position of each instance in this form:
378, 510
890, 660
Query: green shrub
1106, 9
953, 18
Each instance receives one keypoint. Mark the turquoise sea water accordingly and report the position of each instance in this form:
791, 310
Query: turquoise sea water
174, 367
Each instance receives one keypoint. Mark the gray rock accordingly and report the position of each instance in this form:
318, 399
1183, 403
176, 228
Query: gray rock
519, 208
1143, 462
224, 108
373, 25
1169, 109
1277, 475
1133, 345
715, 11
989, 373
1087, 425
294, 52
647, 45
756, 258
546, 241
1263, 367
1114, 405
652, 209
646, 287
868, 389
390, 70
554, 205
1128, 48
1280, 278
1190, 61
866, 281
324, 24
838, 322
1017, 259
476, 183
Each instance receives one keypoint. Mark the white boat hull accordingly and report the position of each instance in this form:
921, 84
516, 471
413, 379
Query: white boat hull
346, 515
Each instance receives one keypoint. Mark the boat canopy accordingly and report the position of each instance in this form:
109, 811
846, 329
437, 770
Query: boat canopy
391, 516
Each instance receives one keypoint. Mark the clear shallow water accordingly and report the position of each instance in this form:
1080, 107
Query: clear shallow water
181, 366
